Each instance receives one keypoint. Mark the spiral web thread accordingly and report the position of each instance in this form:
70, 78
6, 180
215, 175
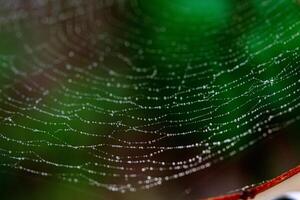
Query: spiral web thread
98, 93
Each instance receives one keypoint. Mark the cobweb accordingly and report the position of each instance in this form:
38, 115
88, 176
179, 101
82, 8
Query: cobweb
127, 95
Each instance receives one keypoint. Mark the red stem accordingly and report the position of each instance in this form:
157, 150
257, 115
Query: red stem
250, 193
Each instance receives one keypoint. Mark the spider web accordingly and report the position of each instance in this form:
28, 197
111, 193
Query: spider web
127, 95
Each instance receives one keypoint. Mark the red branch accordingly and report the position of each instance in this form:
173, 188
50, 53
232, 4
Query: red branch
250, 193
